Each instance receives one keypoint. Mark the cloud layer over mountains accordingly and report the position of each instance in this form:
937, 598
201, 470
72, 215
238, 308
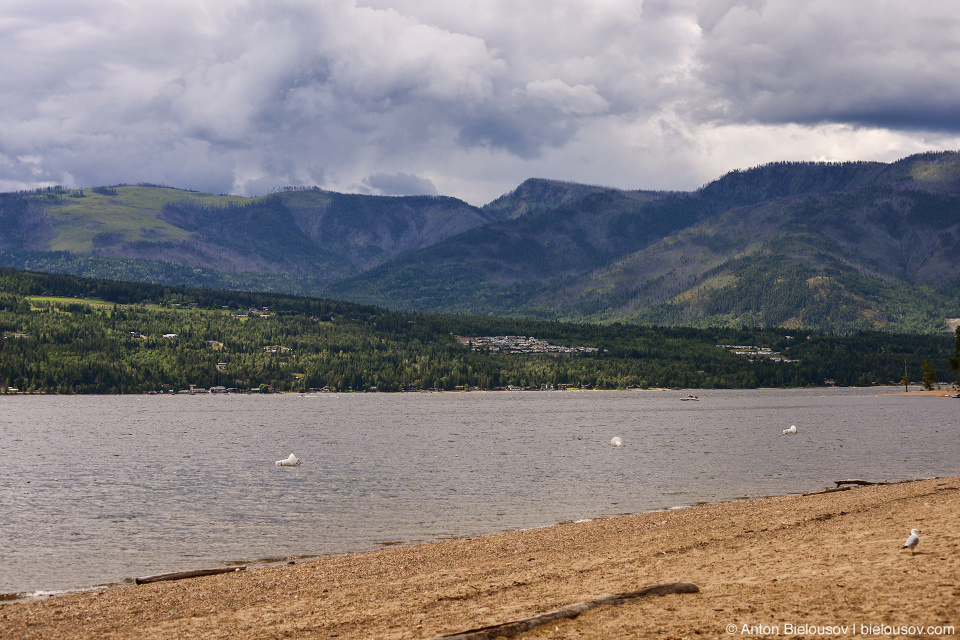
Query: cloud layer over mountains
464, 98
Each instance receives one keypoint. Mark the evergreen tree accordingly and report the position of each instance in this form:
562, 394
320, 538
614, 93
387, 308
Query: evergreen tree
929, 375
955, 360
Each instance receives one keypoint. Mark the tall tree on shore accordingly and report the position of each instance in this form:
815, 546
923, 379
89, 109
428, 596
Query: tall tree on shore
929, 375
955, 360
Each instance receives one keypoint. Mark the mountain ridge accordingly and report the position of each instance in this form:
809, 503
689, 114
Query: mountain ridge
868, 236
834, 246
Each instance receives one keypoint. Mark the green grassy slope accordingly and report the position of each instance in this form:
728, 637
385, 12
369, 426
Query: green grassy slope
304, 233
82, 218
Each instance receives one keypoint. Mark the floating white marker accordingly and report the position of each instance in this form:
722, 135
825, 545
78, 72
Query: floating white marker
292, 461
791, 430
616, 442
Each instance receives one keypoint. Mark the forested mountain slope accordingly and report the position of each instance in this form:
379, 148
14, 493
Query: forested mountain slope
62, 334
832, 246
153, 232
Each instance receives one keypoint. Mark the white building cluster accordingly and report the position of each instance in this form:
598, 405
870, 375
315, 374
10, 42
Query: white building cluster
753, 352
519, 344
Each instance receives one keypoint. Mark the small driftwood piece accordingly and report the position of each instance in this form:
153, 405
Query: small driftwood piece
862, 483
180, 575
510, 629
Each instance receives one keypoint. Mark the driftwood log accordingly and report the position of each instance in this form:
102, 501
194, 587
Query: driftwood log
510, 629
862, 483
180, 575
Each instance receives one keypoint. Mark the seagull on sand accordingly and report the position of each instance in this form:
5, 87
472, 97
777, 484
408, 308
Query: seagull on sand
912, 542
791, 430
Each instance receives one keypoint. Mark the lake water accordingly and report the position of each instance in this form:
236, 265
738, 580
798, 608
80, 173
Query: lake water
98, 490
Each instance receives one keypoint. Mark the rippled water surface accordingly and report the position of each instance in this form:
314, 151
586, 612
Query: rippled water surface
97, 490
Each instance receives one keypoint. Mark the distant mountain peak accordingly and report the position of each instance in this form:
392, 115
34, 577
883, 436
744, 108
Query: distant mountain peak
538, 194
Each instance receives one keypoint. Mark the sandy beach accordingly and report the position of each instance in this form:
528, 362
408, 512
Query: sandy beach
923, 393
820, 565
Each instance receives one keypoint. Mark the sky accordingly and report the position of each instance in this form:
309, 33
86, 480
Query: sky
464, 98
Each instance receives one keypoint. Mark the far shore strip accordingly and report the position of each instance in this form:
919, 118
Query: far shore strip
827, 564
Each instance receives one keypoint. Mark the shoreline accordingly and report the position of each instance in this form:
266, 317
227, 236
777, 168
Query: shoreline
883, 390
274, 561
319, 393
816, 559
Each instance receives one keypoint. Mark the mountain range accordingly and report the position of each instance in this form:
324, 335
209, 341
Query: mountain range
826, 246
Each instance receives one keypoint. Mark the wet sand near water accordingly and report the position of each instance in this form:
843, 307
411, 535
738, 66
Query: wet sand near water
816, 566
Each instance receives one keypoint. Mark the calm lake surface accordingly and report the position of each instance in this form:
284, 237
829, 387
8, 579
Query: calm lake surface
98, 490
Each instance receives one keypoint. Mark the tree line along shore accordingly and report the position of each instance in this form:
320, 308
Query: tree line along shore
63, 334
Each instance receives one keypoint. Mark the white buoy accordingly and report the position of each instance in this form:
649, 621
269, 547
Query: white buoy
791, 430
616, 442
292, 461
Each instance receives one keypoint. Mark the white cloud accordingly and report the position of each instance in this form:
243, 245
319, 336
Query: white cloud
581, 100
399, 184
249, 95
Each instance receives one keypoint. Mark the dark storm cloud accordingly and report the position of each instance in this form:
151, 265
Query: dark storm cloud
892, 65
